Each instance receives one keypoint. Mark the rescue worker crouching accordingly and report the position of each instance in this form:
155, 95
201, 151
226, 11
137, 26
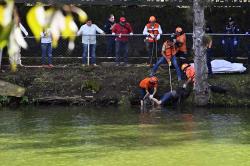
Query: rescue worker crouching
148, 88
169, 51
152, 30
190, 74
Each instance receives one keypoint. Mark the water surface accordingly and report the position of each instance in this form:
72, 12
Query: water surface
79, 136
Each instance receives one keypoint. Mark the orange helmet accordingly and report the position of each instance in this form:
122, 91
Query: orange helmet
184, 66
153, 80
152, 19
178, 29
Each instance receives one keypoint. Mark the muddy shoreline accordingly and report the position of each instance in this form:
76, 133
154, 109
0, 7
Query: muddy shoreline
109, 85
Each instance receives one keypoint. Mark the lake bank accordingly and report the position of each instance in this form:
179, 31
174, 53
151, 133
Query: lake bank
109, 85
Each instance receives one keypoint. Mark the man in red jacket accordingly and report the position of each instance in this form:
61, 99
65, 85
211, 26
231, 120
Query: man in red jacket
122, 29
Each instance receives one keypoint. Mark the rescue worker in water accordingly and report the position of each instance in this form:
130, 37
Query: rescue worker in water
148, 88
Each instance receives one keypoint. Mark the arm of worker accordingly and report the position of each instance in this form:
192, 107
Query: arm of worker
145, 31
160, 32
155, 90
186, 83
146, 95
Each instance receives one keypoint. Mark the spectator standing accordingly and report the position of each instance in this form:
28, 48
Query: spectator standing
153, 32
108, 26
181, 46
122, 30
46, 44
88, 32
230, 43
208, 30
181, 43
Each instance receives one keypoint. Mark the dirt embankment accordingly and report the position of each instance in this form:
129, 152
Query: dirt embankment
75, 85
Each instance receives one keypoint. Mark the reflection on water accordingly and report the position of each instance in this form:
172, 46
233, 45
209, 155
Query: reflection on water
124, 136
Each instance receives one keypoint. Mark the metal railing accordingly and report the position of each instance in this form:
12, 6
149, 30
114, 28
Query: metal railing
137, 50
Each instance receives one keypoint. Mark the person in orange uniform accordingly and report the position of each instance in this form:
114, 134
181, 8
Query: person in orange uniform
169, 51
190, 73
148, 87
181, 43
152, 31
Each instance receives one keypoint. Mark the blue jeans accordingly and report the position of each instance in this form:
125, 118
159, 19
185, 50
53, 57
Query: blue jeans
121, 47
110, 50
167, 96
46, 50
163, 60
92, 48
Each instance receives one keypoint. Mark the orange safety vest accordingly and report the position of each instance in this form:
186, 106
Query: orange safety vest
170, 49
152, 30
182, 39
146, 85
190, 73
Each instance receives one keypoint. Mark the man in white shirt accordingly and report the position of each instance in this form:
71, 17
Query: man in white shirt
85, 30
46, 44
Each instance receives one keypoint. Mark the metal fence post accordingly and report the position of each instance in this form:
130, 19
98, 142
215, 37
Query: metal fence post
88, 53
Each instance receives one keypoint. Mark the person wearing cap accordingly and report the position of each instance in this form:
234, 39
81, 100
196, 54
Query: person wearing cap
169, 50
209, 51
190, 74
122, 30
152, 31
230, 43
148, 88
88, 32
181, 43
108, 26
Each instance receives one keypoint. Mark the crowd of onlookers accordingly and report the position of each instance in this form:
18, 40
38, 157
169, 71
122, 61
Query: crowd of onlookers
117, 36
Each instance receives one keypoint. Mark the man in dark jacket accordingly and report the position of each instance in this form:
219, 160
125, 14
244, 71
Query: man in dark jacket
230, 43
108, 26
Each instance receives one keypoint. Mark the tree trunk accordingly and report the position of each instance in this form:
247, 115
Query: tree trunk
201, 84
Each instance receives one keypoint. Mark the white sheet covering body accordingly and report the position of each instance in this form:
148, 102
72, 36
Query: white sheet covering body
223, 66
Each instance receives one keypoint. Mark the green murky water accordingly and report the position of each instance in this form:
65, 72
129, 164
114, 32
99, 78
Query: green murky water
124, 137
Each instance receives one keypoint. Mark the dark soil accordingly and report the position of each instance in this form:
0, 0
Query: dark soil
76, 85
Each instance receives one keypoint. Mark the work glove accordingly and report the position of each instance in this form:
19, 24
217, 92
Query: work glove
235, 42
151, 96
223, 42
131, 33
247, 33
169, 63
184, 86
